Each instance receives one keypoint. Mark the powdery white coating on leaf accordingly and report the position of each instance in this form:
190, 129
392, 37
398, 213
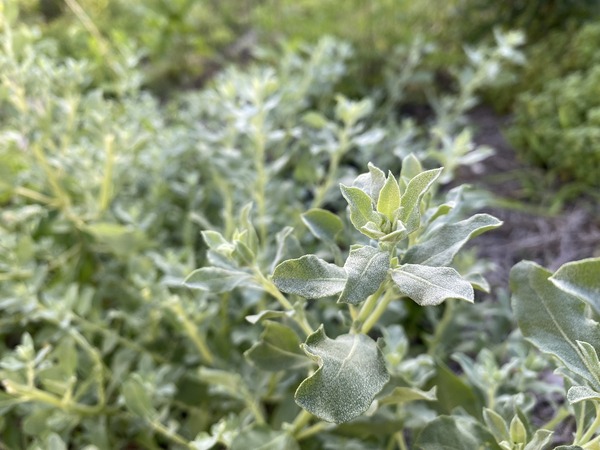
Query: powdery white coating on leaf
351, 373
309, 277
439, 249
366, 268
430, 286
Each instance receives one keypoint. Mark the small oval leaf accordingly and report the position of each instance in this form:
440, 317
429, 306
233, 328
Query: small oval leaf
309, 277
430, 286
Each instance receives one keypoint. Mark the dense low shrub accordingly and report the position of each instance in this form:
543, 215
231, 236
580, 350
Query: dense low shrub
559, 129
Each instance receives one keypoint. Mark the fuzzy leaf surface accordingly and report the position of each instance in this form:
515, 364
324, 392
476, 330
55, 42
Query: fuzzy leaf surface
309, 277
351, 373
582, 279
440, 248
278, 349
389, 197
361, 206
216, 279
323, 224
430, 286
581, 393
366, 268
552, 319
411, 199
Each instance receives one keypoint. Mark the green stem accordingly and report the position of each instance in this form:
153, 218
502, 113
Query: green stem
192, 331
301, 420
560, 415
441, 327
313, 429
271, 289
377, 312
172, 436
592, 429
366, 309
105, 189
33, 394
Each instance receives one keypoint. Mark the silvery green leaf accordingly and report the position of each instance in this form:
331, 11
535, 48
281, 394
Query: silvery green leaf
370, 137
315, 119
309, 277
440, 248
496, 425
552, 319
217, 242
389, 197
370, 229
403, 394
517, 430
581, 393
590, 358
540, 439
455, 433
351, 373
261, 437
411, 198
411, 167
582, 279
216, 279
377, 180
288, 247
361, 206
366, 268
137, 397
430, 286
323, 224
278, 349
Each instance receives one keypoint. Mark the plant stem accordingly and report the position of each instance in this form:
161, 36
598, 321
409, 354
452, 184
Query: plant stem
172, 436
271, 289
366, 309
192, 331
301, 420
106, 187
377, 313
313, 429
585, 439
560, 415
441, 327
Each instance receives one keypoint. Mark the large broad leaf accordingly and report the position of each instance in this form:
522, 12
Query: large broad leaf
217, 280
411, 199
323, 224
430, 286
278, 349
309, 277
552, 319
351, 372
366, 268
581, 278
440, 248
455, 433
